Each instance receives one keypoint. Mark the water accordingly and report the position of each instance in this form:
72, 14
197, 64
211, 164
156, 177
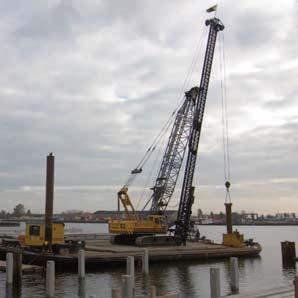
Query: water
191, 278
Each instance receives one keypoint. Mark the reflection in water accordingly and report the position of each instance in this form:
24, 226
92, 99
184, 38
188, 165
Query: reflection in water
245, 266
227, 275
289, 270
185, 280
288, 264
190, 278
82, 288
13, 291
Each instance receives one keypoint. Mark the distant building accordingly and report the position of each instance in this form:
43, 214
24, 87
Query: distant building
286, 216
248, 217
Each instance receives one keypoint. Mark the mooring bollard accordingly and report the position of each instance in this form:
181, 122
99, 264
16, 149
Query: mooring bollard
234, 275
296, 286
17, 266
115, 293
145, 261
127, 288
50, 279
9, 268
214, 282
81, 263
130, 269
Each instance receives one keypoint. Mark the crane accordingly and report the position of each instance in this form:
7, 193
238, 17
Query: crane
199, 95
186, 130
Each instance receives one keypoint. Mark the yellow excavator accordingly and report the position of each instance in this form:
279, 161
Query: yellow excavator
134, 227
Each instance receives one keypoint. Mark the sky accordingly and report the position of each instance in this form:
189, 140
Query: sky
94, 82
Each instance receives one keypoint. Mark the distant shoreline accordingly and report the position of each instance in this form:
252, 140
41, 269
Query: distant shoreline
254, 224
207, 224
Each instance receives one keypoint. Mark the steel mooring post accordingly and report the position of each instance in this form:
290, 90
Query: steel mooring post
49, 200
229, 222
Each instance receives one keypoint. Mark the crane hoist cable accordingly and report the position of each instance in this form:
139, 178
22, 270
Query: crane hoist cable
139, 168
150, 175
166, 167
224, 116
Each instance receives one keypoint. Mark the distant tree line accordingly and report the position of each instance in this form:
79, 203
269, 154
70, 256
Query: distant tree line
18, 211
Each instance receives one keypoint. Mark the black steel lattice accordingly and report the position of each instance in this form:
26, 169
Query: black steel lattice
173, 157
200, 96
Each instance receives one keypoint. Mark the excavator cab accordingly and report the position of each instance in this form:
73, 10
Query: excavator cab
35, 233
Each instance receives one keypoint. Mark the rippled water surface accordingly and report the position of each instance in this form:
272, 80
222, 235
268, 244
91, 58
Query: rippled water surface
190, 278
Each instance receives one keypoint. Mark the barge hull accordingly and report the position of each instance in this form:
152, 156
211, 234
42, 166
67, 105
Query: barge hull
114, 255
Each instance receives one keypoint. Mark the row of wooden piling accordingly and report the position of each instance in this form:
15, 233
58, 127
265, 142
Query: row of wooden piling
127, 289
14, 267
14, 272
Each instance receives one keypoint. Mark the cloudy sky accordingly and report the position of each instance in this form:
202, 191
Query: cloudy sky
94, 81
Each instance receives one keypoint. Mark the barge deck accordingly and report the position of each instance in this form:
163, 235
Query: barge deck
104, 253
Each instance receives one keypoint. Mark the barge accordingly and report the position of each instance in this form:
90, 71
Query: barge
100, 253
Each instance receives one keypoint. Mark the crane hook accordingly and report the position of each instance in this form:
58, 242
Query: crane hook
228, 196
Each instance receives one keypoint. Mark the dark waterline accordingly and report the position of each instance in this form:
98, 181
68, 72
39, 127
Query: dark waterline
191, 278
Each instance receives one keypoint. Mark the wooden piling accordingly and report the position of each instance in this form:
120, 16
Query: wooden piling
214, 282
127, 288
153, 292
288, 251
296, 286
50, 279
17, 267
81, 263
9, 268
145, 261
234, 275
82, 288
130, 269
116, 293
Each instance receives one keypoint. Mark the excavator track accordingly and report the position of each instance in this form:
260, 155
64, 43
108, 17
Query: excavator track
157, 240
145, 240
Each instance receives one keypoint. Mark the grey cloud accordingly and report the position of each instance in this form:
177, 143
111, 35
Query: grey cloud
94, 82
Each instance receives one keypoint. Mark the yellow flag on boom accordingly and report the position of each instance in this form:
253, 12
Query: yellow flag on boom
212, 8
